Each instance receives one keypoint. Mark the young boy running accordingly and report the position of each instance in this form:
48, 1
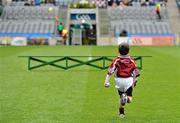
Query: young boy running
126, 73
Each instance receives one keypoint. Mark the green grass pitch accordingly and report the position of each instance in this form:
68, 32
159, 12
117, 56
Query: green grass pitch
52, 95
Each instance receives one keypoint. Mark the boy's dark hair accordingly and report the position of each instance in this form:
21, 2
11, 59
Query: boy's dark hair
123, 33
124, 48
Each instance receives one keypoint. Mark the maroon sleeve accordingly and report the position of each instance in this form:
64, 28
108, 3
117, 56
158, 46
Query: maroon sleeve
136, 71
112, 67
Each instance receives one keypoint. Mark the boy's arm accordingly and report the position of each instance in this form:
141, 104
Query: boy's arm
111, 70
107, 82
136, 74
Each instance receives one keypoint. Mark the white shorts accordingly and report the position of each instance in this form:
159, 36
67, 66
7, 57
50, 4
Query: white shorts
123, 84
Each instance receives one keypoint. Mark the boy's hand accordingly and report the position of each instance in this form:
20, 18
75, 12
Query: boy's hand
135, 82
106, 84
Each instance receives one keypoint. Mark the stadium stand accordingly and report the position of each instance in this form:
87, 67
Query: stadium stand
138, 20
63, 3
27, 21
32, 12
26, 28
141, 28
135, 13
115, 3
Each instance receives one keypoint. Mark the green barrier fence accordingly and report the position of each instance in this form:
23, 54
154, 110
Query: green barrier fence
90, 61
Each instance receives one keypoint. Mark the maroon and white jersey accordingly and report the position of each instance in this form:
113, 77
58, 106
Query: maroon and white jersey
123, 66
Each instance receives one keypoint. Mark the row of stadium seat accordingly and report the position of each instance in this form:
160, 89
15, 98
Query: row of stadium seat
30, 12
18, 3
99, 3
138, 20
136, 13
27, 27
136, 2
25, 3
141, 28
63, 2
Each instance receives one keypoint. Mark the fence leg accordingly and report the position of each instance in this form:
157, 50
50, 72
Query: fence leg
66, 63
29, 63
141, 65
104, 63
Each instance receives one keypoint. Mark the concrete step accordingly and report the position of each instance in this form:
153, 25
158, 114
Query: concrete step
174, 16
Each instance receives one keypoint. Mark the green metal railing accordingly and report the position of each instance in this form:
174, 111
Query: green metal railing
77, 60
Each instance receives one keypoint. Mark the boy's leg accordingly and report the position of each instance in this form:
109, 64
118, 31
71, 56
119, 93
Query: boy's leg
129, 94
123, 101
121, 105
121, 109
